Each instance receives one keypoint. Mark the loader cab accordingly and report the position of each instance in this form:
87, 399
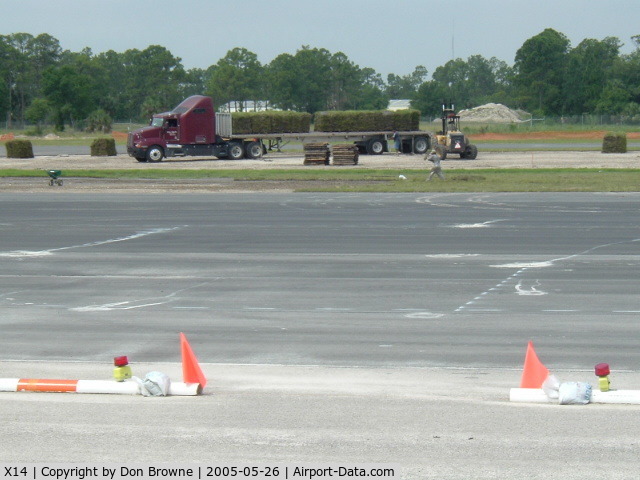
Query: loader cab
450, 121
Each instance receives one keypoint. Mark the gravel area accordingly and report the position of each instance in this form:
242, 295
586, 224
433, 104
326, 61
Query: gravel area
538, 159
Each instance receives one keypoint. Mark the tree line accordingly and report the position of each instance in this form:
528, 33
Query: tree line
39, 81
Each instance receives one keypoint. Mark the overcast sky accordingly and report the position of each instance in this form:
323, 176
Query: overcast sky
389, 36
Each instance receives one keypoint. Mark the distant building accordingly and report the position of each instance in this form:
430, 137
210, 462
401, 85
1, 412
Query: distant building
399, 105
246, 106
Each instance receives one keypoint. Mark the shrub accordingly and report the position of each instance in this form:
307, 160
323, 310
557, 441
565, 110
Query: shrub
103, 147
99, 121
614, 143
19, 149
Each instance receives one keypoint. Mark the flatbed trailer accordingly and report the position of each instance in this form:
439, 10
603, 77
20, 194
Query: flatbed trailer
372, 143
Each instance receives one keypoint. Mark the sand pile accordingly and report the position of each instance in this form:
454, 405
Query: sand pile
493, 113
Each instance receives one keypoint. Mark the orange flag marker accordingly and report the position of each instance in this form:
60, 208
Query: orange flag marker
191, 371
534, 373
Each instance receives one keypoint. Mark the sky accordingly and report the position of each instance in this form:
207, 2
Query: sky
389, 36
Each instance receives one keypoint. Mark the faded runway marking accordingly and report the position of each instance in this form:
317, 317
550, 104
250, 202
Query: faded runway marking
51, 251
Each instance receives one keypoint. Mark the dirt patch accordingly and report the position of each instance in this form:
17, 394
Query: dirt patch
119, 135
591, 135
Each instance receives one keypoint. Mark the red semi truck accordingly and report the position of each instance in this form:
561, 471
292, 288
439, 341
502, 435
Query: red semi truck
193, 128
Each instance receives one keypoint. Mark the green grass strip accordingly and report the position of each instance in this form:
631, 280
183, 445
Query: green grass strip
371, 180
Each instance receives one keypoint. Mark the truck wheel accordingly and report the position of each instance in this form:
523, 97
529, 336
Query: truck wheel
236, 152
141, 159
420, 145
375, 146
155, 154
254, 149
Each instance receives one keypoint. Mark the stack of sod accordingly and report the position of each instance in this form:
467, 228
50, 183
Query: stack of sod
367, 121
103, 147
19, 149
614, 143
270, 122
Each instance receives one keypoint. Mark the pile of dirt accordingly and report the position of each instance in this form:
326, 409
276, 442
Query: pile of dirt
493, 113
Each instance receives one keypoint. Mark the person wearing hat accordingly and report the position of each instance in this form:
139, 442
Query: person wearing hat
433, 157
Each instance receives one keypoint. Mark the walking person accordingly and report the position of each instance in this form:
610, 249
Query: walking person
436, 169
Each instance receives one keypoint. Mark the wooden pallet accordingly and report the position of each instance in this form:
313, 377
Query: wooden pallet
316, 154
345, 154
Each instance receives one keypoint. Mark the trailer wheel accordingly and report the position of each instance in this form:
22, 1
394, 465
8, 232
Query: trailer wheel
254, 149
236, 152
420, 145
155, 153
375, 146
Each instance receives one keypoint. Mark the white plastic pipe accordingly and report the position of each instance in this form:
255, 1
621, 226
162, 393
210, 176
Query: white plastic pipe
90, 386
537, 395
529, 395
631, 397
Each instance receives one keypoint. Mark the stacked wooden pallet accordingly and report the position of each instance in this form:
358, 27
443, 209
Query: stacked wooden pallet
346, 154
316, 154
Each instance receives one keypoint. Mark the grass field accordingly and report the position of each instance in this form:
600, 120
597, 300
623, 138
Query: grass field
352, 180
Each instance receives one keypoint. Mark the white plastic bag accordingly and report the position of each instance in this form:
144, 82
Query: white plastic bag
155, 384
551, 385
574, 393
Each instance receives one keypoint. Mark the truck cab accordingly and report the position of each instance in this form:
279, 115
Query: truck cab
188, 129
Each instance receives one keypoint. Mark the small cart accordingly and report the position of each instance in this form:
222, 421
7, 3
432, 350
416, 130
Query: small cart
54, 177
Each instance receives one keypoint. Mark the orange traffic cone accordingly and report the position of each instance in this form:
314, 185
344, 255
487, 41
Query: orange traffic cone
534, 373
191, 371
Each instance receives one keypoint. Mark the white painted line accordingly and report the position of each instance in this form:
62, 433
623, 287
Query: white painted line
424, 315
44, 253
133, 304
532, 291
114, 306
453, 255
477, 225
524, 265
560, 311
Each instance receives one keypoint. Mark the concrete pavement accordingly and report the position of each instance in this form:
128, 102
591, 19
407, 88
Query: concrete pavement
434, 423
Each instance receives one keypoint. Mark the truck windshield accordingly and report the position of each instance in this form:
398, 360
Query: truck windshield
157, 122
